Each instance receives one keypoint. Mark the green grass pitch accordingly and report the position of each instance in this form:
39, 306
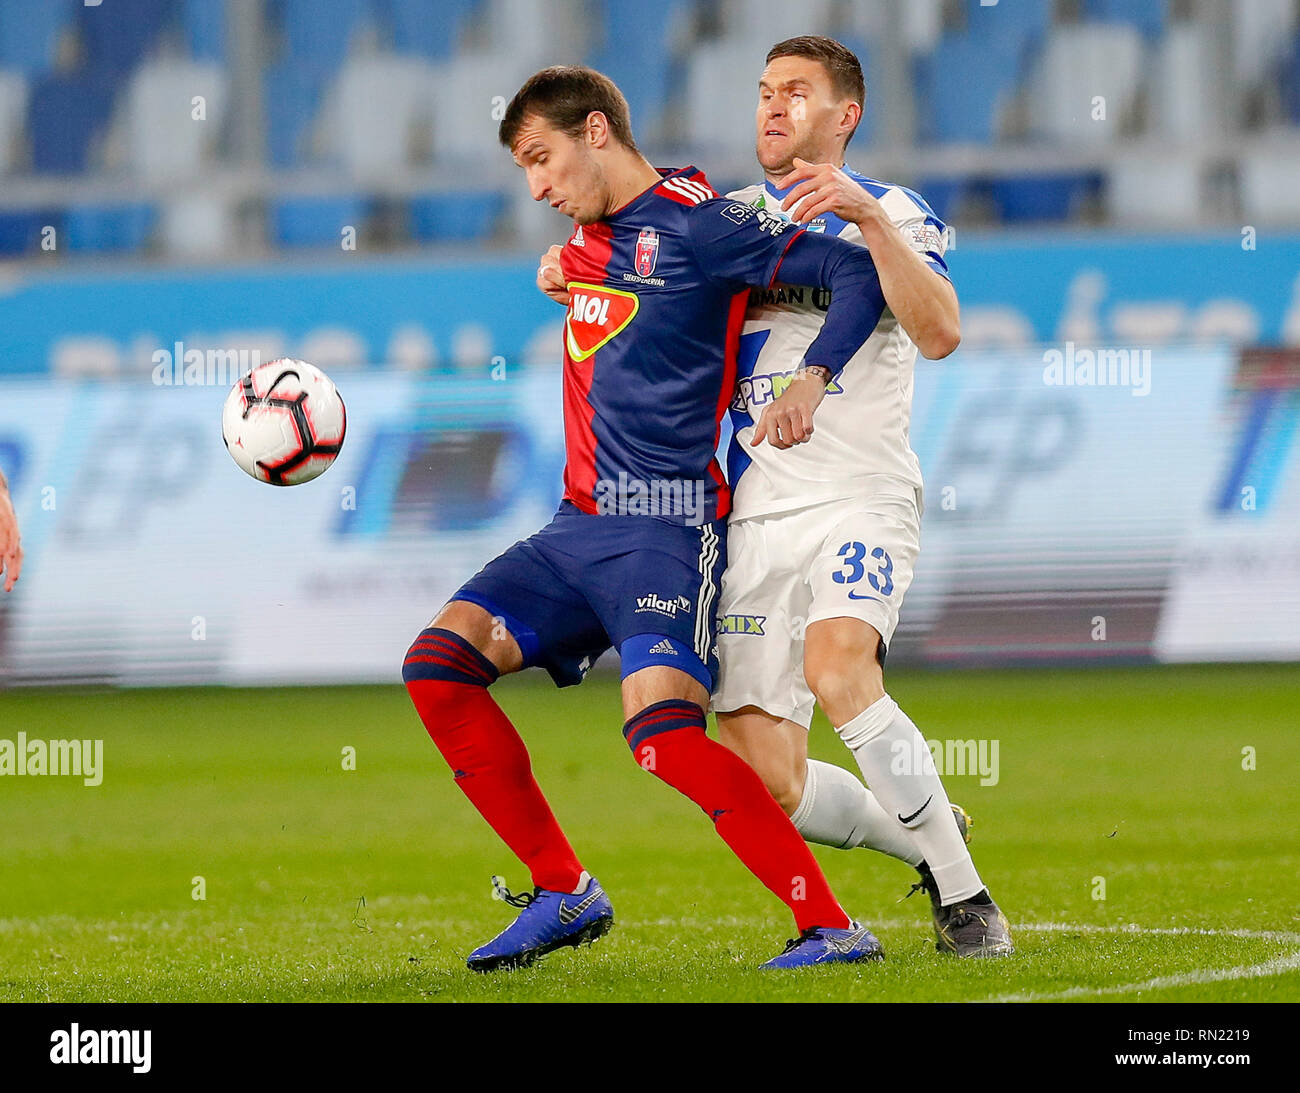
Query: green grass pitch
327, 884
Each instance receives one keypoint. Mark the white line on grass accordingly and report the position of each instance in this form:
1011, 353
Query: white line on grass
1278, 965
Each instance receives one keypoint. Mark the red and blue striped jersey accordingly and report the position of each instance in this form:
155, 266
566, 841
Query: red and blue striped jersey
657, 297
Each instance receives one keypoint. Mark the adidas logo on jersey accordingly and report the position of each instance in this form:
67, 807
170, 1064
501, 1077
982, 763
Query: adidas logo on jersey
663, 607
665, 647
596, 314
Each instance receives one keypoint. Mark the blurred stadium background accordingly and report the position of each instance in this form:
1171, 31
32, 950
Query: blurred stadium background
187, 183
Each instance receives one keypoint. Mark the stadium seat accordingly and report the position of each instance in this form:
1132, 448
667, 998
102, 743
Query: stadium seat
318, 32
108, 227
460, 217
165, 141
1154, 189
64, 116
943, 195
1187, 90
13, 114
644, 74
1290, 81
1263, 32
463, 130
760, 24
1039, 198
30, 32
1267, 179
538, 34
1081, 63
204, 25
20, 232
293, 94
316, 221
718, 110
197, 225
117, 35
1011, 28
424, 31
949, 113
1148, 16
375, 111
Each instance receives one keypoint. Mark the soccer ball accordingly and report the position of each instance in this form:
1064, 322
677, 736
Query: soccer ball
283, 422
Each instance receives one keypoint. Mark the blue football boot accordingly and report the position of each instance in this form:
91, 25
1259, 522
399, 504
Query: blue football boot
549, 921
828, 945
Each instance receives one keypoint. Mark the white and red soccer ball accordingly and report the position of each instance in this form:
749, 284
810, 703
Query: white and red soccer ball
284, 422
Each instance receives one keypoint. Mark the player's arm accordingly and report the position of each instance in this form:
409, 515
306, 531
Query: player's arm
11, 551
923, 300
736, 243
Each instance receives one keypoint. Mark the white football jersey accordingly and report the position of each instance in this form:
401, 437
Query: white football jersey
860, 439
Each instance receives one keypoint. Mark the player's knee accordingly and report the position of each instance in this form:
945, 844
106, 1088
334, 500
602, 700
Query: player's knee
441, 654
844, 676
777, 771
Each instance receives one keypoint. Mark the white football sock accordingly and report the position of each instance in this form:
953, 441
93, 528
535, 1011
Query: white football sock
898, 767
838, 810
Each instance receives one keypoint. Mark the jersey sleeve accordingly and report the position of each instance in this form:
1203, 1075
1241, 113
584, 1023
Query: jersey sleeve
924, 232
736, 244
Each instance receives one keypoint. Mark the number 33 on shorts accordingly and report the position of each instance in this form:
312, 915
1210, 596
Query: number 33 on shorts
854, 568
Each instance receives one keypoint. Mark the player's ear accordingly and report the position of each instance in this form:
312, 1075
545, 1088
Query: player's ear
597, 131
849, 121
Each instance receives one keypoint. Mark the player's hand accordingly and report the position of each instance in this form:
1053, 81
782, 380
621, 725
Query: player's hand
11, 551
824, 188
788, 419
549, 277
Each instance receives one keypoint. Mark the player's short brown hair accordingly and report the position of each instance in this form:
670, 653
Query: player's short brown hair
841, 64
564, 96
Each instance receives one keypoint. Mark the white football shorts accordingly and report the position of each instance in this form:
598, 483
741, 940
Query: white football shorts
835, 559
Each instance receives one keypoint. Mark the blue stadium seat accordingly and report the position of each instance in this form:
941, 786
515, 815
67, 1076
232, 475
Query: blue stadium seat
1148, 16
943, 195
1037, 198
318, 31
293, 98
108, 227
635, 55
455, 218
29, 33
204, 23
20, 232
316, 221
1290, 81
1011, 27
425, 29
948, 111
117, 35
64, 115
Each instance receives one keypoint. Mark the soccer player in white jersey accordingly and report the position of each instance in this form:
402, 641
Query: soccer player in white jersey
827, 501
825, 528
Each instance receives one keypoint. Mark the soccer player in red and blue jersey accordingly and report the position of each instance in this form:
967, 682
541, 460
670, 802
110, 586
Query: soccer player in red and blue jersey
658, 271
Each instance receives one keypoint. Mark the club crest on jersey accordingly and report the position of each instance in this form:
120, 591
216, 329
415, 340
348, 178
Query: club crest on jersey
596, 314
647, 251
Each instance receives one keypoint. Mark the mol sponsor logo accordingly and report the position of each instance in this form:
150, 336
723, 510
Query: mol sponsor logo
596, 314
